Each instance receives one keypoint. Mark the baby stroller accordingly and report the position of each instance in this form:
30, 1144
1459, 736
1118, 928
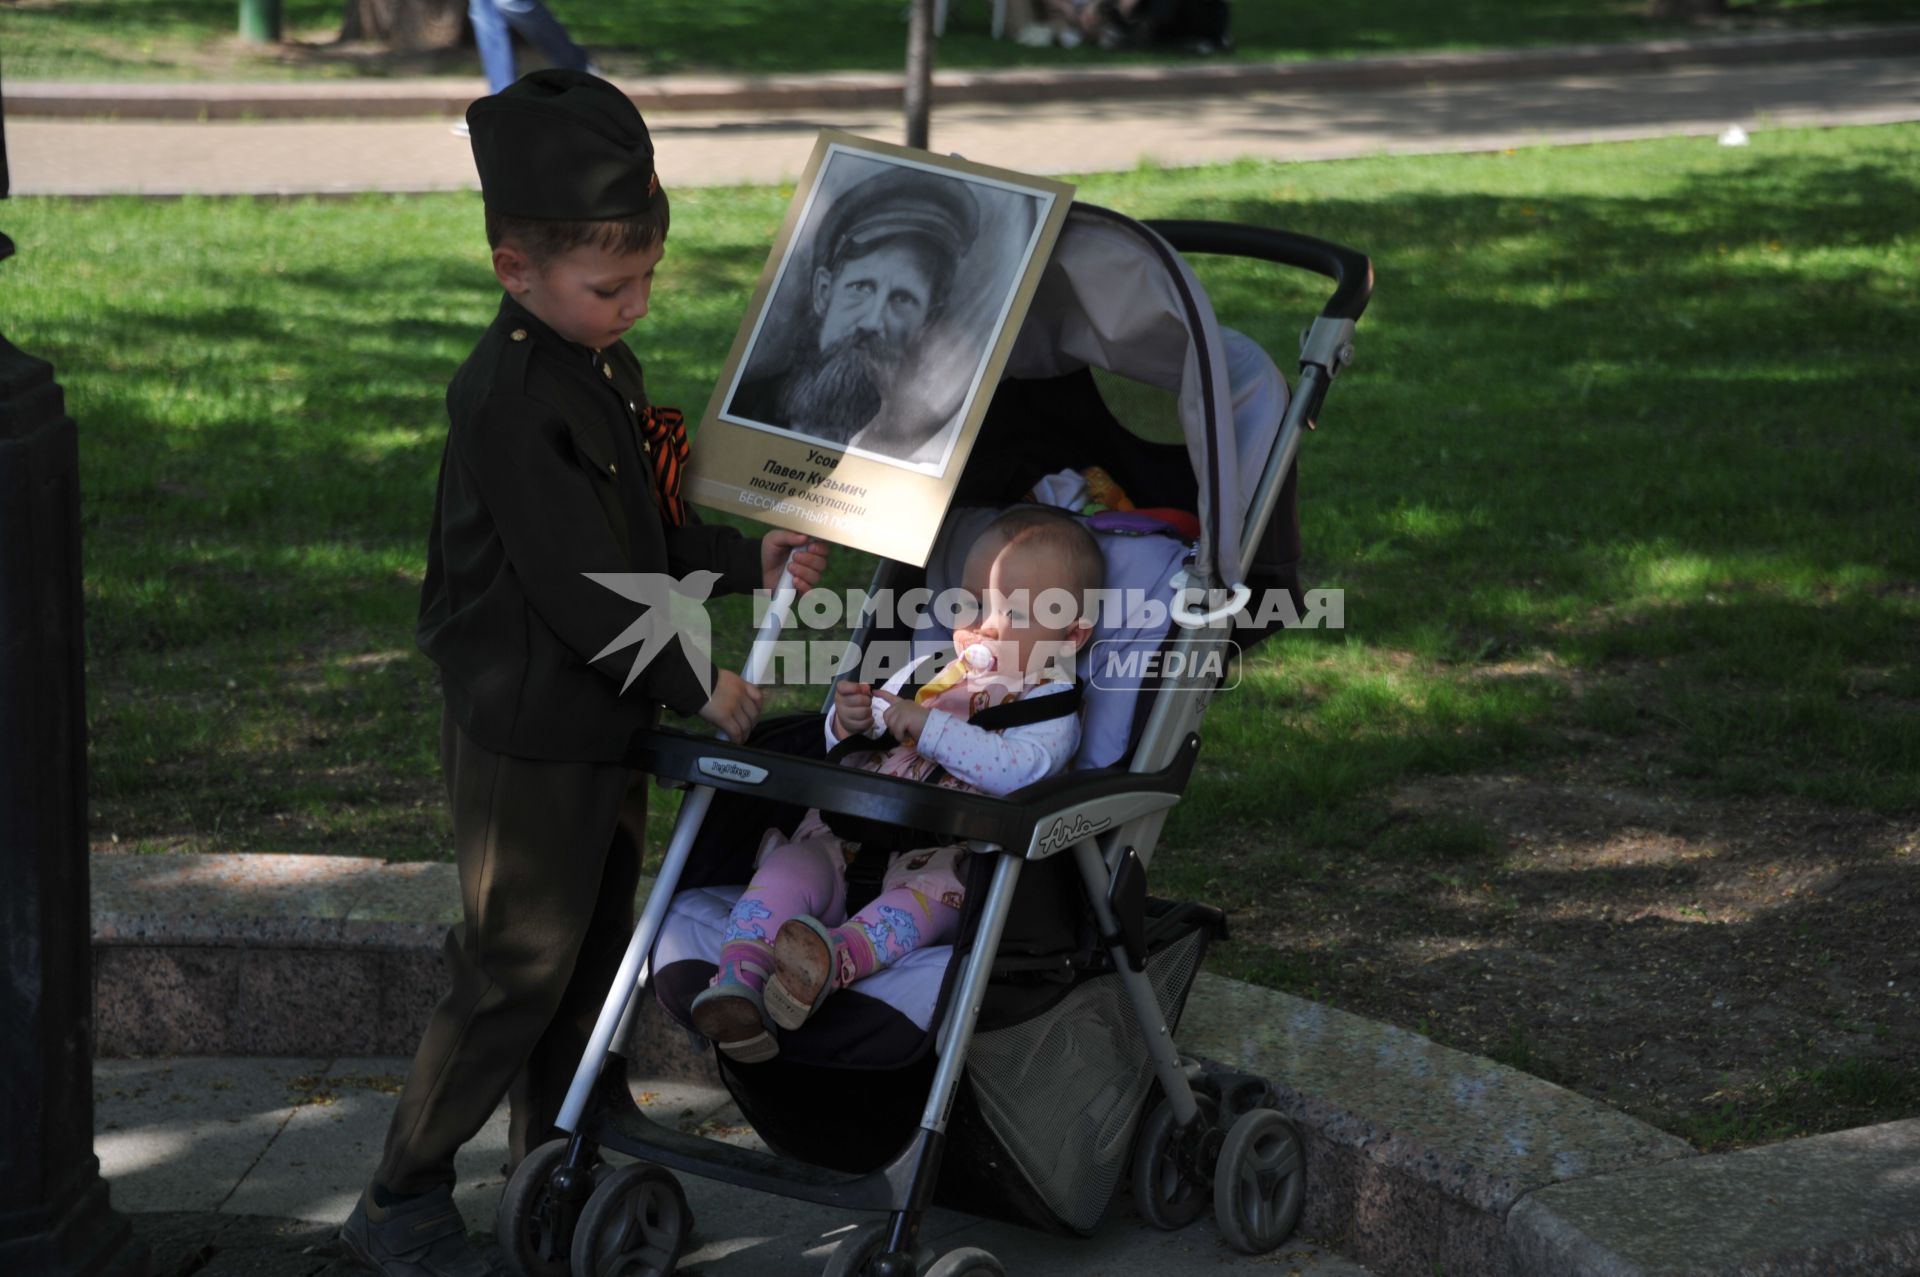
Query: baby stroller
1005, 1074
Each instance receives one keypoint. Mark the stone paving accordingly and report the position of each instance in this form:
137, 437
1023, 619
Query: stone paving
260, 1159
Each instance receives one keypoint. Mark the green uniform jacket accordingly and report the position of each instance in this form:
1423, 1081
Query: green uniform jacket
545, 477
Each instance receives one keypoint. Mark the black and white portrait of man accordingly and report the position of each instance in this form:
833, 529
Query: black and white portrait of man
885, 306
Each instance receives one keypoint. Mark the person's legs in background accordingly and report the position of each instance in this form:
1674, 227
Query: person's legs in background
495, 22
533, 22
494, 40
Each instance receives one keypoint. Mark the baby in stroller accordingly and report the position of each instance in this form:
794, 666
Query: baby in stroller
1001, 716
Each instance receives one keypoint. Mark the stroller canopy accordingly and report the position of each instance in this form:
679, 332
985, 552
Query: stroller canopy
1115, 296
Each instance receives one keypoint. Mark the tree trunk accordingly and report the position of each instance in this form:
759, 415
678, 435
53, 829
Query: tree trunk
919, 94
406, 26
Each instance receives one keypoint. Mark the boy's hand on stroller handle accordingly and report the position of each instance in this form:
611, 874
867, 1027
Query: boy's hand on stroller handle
905, 718
852, 709
805, 557
734, 706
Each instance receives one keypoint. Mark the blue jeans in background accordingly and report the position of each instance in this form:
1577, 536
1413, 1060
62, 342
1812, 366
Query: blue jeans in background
494, 22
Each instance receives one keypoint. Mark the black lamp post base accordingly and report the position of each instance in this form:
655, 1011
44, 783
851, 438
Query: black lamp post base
85, 1238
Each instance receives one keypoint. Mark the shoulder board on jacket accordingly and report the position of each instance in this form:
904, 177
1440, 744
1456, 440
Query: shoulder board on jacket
516, 346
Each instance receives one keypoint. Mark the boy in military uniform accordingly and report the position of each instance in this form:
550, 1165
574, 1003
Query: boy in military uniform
555, 466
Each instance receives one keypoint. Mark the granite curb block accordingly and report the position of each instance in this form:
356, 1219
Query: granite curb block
1415, 1151
1420, 1159
402, 98
1848, 1202
264, 955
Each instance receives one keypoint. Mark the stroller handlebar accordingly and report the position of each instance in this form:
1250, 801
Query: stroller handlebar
1350, 270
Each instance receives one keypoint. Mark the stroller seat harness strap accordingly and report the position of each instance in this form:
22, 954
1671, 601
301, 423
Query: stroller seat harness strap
879, 836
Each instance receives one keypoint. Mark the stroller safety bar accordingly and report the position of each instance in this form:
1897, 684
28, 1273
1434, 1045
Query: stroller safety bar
1021, 820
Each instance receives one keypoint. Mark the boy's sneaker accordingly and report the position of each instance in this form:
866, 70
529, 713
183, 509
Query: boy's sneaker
420, 1237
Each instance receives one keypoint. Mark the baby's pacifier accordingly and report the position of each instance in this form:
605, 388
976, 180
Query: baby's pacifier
979, 658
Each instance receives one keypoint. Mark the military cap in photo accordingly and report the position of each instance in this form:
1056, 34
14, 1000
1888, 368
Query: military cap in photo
562, 146
900, 201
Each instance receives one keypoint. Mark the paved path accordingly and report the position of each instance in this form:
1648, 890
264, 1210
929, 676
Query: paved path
712, 148
202, 1151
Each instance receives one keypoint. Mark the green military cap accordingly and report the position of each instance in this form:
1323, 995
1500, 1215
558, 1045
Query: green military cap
562, 146
932, 207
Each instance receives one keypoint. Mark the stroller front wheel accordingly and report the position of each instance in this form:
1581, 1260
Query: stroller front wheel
1260, 1183
533, 1225
861, 1247
1166, 1191
635, 1225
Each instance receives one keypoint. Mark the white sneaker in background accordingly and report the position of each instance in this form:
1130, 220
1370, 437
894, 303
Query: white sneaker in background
458, 128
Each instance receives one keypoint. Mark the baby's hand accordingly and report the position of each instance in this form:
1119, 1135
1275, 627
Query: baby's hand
905, 719
852, 708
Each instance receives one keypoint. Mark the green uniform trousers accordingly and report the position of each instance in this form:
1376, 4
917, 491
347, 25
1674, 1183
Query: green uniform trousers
549, 858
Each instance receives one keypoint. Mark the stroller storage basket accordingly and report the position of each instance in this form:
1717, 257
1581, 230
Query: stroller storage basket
1043, 1131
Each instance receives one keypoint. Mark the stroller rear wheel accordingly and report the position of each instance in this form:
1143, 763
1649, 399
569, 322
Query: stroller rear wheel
1166, 1190
534, 1224
968, 1261
635, 1225
1261, 1182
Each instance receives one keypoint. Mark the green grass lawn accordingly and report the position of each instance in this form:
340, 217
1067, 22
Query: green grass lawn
164, 39
1631, 444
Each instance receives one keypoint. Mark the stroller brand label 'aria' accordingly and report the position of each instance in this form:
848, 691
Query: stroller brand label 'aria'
1063, 833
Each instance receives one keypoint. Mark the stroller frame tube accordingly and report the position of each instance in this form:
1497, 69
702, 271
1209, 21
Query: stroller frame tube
964, 1011
1146, 1007
623, 994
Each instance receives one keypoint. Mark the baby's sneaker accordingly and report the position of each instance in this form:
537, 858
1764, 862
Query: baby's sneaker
733, 1016
803, 962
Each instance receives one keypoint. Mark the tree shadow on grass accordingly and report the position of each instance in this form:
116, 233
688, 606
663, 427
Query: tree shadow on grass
1733, 972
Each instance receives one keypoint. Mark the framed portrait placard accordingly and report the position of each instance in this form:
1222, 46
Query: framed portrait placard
873, 343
